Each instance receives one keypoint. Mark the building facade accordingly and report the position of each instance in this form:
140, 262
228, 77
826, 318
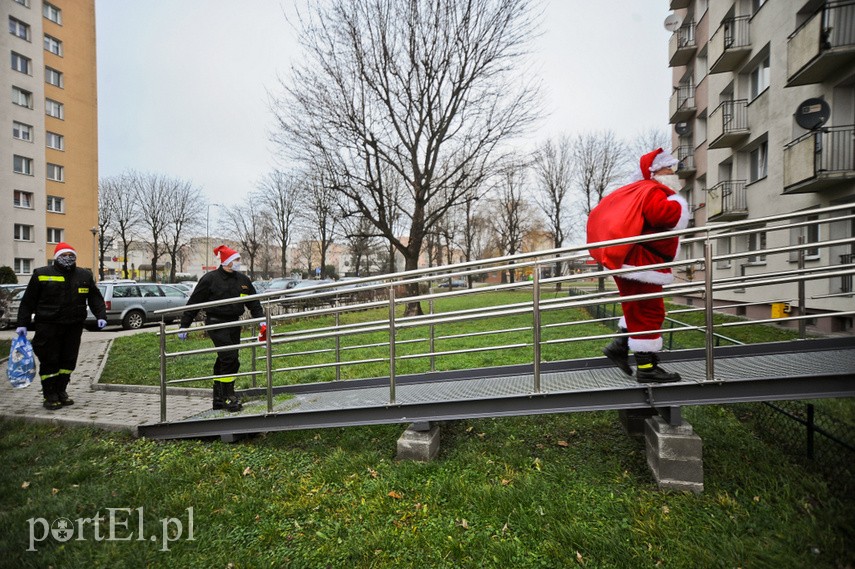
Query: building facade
763, 117
48, 132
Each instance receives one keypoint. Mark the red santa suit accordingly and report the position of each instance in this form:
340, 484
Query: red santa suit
644, 207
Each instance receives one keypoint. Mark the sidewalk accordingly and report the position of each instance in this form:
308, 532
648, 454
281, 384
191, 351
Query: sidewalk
110, 407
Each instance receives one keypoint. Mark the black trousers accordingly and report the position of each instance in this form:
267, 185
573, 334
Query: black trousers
56, 346
227, 361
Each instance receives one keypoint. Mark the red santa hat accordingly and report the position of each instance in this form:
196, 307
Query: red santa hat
656, 160
226, 255
62, 248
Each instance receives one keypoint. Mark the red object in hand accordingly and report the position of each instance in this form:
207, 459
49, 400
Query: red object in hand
262, 333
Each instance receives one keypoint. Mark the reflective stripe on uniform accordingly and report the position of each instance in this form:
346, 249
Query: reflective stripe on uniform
55, 278
225, 379
83, 290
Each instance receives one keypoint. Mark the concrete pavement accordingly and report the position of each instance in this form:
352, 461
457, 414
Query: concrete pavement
110, 407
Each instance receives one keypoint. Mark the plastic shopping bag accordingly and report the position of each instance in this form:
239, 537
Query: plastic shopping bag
21, 369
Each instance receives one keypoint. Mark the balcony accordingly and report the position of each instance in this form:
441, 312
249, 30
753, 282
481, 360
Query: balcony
686, 155
728, 124
679, 4
682, 103
822, 45
682, 45
730, 45
819, 160
727, 201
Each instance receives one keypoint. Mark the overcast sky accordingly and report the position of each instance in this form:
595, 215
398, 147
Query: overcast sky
183, 84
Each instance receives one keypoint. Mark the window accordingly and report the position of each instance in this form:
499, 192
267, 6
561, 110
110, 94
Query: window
55, 204
54, 109
722, 248
23, 199
23, 266
55, 172
20, 63
54, 235
22, 165
54, 140
757, 242
22, 131
25, 3
23, 232
22, 98
808, 234
53, 45
758, 162
54, 77
19, 28
759, 78
52, 13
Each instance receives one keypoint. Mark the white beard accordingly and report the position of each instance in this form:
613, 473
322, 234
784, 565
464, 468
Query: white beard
670, 180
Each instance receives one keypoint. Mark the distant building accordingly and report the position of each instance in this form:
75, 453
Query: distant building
48, 132
743, 73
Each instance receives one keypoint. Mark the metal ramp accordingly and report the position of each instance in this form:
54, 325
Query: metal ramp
803, 369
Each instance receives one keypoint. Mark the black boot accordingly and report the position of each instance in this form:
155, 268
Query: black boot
49, 390
618, 352
649, 370
219, 401
231, 400
61, 386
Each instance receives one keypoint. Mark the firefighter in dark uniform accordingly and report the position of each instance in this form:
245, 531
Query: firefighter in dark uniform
225, 282
58, 295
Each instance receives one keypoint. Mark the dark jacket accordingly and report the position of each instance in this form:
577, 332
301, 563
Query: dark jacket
220, 285
59, 295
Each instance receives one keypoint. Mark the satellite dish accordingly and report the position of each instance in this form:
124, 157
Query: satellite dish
682, 128
673, 22
812, 113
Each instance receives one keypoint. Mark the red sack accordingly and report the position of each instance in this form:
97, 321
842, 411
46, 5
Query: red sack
617, 216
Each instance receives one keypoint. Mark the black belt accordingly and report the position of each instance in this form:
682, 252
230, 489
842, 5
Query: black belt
650, 249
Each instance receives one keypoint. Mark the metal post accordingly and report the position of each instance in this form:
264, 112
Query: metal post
254, 354
535, 294
802, 310
337, 347
432, 339
392, 344
162, 371
708, 308
269, 358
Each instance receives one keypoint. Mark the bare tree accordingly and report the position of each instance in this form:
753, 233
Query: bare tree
125, 215
242, 224
512, 214
281, 196
645, 141
152, 191
553, 171
184, 207
600, 159
106, 212
418, 95
362, 243
322, 215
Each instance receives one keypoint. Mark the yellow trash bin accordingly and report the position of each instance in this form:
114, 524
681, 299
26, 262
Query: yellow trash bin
780, 309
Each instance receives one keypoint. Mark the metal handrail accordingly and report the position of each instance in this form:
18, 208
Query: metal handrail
527, 336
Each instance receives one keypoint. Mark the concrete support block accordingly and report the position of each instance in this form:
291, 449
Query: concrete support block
421, 445
632, 420
675, 455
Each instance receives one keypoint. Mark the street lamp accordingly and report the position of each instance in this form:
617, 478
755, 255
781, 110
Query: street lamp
94, 231
208, 235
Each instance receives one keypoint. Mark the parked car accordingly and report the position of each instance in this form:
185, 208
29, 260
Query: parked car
261, 286
186, 287
455, 283
133, 304
280, 284
10, 312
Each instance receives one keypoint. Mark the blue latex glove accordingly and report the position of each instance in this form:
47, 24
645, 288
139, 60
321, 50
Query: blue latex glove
21, 331
182, 335
101, 323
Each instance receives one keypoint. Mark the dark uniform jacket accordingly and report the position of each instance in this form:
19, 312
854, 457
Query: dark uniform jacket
59, 296
220, 285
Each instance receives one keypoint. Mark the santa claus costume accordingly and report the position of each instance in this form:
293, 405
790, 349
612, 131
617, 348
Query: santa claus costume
645, 207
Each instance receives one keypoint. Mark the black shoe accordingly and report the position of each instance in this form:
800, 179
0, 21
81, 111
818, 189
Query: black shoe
231, 400
649, 370
49, 390
61, 386
619, 355
64, 399
219, 400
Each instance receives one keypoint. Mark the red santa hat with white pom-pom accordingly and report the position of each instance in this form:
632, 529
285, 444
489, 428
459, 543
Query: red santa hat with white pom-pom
62, 248
226, 254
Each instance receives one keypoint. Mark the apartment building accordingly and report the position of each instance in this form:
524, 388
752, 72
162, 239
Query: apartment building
763, 116
48, 132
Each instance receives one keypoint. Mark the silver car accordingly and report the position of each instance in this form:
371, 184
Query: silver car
133, 304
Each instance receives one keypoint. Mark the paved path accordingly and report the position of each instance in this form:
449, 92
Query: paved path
111, 407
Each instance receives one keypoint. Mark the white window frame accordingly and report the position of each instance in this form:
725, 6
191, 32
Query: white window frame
21, 63
17, 28
757, 242
52, 13
22, 165
53, 45
22, 199
22, 131
54, 109
23, 266
19, 95
723, 246
758, 162
55, 204
758, 79
25, 3
55, 172
54, 77
55, 235
54, 140
23, 232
